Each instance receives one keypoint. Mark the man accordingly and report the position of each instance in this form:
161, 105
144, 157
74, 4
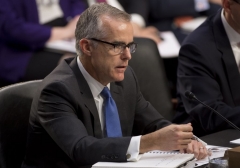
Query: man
209, 67
68, 126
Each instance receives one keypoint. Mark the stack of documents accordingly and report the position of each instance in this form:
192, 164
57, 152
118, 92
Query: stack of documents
153, 159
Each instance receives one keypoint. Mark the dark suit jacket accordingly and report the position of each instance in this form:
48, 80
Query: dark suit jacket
207, 67
65, 130
21, 34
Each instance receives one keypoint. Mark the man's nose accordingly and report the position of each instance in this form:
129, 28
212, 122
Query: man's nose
126, 54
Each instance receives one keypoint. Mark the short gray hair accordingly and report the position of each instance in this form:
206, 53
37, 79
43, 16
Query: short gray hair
89, 23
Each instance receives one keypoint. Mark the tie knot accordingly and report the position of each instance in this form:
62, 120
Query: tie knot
106, 92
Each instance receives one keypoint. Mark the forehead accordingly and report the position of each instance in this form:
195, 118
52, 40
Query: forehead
116, 28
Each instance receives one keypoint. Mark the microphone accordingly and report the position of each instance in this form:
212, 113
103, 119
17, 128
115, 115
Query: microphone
191, 96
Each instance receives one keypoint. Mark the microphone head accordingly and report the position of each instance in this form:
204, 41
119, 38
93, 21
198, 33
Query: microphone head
189, 95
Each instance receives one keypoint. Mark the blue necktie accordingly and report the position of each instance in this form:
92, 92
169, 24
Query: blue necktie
112, 123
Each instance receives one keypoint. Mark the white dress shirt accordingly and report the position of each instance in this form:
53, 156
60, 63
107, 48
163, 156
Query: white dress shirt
96, 88
234, 38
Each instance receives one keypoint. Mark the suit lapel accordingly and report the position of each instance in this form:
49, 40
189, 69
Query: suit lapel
87, 97
228, 58
116, 92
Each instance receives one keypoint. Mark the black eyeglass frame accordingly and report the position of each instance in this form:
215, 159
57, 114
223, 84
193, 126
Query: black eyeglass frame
115, 45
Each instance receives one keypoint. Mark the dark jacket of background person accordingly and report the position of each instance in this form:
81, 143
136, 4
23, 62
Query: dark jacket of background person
140, 7
163, 13
21, 34
54, 116
207, 67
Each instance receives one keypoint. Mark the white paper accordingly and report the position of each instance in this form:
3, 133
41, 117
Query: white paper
62, 45
236, 141
191, 25
154, 159
169, 47
218, 152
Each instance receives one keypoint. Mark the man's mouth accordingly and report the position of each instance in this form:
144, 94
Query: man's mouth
121, 67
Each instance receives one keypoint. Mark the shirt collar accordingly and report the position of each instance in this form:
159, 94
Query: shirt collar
233, 36
95, 86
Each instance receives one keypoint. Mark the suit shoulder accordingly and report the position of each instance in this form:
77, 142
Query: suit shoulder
61, 78
202, 33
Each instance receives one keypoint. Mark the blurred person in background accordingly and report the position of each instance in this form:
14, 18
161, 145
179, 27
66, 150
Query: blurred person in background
165, 14
25, 28
139, 10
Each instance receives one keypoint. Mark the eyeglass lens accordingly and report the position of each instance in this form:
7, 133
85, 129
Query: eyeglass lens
119, 48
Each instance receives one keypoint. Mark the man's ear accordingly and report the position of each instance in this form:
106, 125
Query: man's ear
226, 5
85, 46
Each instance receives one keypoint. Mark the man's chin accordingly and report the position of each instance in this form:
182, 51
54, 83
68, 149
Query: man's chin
119, 78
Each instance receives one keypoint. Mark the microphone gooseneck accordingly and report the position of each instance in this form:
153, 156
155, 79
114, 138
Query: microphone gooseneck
191, 96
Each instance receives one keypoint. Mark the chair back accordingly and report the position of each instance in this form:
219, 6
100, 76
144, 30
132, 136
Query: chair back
15, 105
149, 68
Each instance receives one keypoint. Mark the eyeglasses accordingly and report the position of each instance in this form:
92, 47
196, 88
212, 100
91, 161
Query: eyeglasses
236, 1
119, 47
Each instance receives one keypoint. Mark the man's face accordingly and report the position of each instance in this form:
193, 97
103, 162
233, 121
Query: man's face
107, 66
234, 14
